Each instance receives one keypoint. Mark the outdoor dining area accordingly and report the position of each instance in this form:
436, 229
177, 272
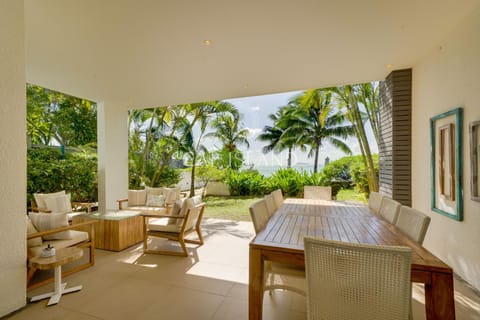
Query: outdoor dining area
299, 258
361, 275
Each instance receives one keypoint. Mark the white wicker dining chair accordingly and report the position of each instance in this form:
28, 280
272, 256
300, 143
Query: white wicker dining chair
356, 282
413, 223
375, 201
389, 209
276, 275
277, 197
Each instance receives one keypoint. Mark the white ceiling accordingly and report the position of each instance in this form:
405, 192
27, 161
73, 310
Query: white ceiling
141, 53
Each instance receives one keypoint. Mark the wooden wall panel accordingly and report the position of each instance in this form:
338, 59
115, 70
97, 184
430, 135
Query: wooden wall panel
396, 136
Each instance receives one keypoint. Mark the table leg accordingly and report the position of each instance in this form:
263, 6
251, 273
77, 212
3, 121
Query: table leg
255, 287
58, 291
439, 297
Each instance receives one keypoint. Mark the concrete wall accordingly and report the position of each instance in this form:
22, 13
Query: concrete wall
13, 147
448, 78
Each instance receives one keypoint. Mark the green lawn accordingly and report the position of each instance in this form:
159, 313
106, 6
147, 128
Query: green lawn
231, 208
236, 208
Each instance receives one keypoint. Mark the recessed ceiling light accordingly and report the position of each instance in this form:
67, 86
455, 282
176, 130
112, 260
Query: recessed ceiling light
207, 42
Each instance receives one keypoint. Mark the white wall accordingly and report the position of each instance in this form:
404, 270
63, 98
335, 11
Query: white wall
112, 132
448, 78
12, 158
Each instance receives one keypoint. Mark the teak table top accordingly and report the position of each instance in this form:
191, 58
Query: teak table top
61, 257
341, 221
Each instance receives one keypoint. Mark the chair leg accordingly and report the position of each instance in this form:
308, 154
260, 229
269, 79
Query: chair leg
199, 233
184, 247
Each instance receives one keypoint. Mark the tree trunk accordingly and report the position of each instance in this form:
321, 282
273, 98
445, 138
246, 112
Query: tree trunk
192, 177
372, 177
289, 164
315, 165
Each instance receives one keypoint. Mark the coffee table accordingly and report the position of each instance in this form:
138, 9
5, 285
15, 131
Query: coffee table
62, 256
115, 230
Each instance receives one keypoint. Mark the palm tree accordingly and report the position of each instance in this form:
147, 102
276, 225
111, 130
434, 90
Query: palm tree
201, 114
316, 121
231, 136
277, 136
348, 97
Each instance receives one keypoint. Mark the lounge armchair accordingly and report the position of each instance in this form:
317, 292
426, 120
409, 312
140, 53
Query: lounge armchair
38, 240
183, 220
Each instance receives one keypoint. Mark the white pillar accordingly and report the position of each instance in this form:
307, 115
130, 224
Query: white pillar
112, 134
13, 146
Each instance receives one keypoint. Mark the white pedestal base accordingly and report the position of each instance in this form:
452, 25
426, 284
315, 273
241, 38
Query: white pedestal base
59, 289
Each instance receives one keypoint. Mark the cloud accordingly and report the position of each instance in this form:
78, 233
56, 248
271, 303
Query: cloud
253, 132
255, 108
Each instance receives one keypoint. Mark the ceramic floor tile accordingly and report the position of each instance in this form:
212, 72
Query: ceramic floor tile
181, 303
211, 283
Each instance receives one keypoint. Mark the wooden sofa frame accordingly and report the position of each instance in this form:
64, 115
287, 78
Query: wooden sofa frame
90, 244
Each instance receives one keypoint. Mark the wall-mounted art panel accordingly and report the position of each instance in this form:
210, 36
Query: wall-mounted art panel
475, 159
446, 163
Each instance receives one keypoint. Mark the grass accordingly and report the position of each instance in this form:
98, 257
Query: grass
236, 208
231, 208
351, 195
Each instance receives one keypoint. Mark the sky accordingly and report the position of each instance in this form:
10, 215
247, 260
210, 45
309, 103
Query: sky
255, 113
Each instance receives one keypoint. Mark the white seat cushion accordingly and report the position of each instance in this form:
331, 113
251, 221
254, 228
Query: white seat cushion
159, 210
163, 224
77, 237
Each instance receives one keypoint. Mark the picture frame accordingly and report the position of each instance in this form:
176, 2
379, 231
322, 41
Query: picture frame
474, 134
446, 164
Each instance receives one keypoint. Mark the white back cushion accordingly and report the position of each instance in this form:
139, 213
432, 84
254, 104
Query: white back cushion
48, 221
137, 197
40, 198
59, 203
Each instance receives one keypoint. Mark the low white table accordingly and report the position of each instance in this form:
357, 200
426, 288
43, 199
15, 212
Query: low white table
62, 256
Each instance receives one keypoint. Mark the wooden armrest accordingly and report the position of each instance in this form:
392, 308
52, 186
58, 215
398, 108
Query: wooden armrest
52, 231
184, 194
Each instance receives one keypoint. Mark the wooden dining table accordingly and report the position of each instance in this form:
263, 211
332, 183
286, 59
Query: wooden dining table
282, 241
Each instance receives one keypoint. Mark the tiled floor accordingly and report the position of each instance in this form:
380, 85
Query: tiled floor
210, 284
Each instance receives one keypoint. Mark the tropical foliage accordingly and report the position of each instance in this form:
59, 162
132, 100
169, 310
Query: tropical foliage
54, 117
160, 137
345, 173
330, 114
49, 171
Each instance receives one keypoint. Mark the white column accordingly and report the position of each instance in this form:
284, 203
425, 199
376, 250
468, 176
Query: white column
13, 146
112, 134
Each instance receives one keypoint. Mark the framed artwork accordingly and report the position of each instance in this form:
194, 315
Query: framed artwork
474, 159
446, 141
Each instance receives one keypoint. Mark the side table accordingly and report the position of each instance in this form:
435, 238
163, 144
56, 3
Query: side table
62, 256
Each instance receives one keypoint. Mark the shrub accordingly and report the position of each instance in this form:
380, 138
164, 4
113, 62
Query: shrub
359, 175
245, 183
48, 172
290, 181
